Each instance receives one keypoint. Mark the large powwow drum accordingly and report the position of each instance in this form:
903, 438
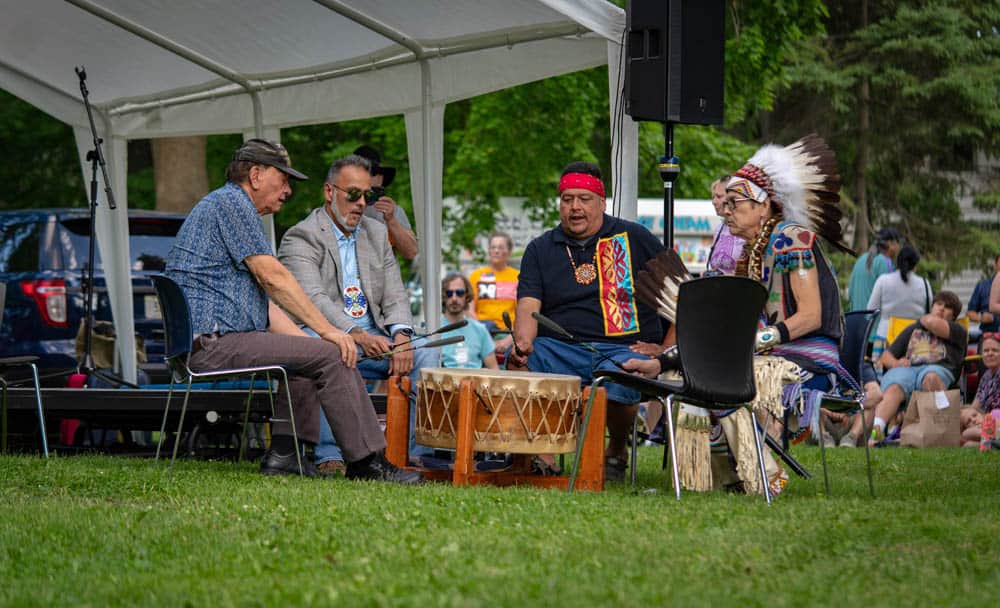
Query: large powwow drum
516, 412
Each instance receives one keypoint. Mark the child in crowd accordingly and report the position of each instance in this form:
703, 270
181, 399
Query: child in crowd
972, 426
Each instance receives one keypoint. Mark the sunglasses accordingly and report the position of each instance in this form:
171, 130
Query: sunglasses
454, 292
990, 335
354, 194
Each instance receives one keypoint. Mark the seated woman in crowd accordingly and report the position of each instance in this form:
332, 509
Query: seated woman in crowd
901, 293
988, 394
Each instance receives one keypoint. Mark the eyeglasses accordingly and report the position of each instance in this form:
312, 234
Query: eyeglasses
355, 194
730, 205
454, 292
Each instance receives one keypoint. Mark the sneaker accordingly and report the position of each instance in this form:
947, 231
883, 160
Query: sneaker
878, 435
615, 468
848, 441
278, 464
828, 440
379, 469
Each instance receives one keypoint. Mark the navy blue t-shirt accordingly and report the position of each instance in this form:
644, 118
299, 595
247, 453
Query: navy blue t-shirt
605, 310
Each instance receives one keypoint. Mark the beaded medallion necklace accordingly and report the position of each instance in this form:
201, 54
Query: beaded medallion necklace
584, 273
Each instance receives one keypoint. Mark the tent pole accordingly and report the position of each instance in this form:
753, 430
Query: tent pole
432, 209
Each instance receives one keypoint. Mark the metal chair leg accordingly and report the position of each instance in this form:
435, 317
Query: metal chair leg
669, 423
291, 418
760, 454
635, 447
866, 433
41, 414
246, 419
822, 453
3, 418
163, 424
180, 425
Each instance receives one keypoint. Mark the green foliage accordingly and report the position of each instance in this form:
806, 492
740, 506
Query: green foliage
761, 38
705, 152
515, 142
934, 73
40, 167
104, 531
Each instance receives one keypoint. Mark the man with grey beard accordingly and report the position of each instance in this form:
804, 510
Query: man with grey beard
345, 264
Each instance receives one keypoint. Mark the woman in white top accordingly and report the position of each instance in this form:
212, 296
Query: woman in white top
901, 293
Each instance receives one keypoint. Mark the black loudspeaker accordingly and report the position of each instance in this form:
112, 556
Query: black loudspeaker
675, 55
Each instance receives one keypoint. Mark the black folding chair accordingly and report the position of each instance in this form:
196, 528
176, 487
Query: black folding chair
858, 326
179, 341
23, 361
716, 329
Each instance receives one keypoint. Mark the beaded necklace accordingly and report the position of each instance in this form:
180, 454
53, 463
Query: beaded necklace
755, 253
584, 273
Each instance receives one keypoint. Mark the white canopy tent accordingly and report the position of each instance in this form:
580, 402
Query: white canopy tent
185, 67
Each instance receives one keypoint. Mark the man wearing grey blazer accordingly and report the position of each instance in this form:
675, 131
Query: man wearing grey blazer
346, 266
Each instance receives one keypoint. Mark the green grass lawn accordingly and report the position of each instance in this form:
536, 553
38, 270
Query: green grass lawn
98, 531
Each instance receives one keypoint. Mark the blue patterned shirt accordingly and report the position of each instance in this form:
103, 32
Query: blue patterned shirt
206, 260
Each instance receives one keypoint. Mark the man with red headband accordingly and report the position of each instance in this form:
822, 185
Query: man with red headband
581, 275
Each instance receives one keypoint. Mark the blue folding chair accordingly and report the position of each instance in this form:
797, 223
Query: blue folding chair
24, 361
858, 325
179, 342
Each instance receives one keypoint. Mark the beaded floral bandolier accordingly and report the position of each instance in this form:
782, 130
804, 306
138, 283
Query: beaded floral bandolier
751, 263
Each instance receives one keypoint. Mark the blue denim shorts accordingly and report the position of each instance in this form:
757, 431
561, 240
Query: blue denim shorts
553, 356
910, 378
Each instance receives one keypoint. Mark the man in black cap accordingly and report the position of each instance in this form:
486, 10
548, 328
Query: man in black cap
401, 234
238, 293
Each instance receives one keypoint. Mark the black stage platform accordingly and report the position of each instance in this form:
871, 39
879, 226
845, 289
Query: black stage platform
134, 410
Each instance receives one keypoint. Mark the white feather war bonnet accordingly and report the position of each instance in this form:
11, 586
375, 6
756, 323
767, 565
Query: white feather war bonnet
802, 182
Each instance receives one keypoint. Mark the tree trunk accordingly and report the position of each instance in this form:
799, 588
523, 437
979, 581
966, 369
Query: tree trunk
180, 172
862, 220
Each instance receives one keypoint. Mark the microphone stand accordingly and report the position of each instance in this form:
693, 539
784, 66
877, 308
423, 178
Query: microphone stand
96, 158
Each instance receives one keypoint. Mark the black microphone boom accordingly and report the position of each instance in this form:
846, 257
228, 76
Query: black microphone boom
555, 327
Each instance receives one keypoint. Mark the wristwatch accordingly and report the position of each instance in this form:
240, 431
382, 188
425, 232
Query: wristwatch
406, 331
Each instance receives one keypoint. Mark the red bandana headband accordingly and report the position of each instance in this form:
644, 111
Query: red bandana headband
581, 180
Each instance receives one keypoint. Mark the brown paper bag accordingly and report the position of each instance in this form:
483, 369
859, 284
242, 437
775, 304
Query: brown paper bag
926, 426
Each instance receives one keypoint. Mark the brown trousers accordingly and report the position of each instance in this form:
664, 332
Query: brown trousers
317, 378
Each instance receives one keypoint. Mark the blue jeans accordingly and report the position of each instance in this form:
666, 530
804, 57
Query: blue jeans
378, 369
910, 378
553, 356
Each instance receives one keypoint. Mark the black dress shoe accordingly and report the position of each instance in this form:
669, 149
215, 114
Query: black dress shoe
380, 469
286, 464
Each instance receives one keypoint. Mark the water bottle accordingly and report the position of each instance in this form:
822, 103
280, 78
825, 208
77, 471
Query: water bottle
989, 433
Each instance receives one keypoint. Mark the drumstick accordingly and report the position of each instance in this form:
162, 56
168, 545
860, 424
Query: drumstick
510, 328
431, 344
552, 325
446, 328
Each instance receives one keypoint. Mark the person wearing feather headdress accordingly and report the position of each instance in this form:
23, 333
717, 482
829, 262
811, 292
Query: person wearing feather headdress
581, 275
781, 201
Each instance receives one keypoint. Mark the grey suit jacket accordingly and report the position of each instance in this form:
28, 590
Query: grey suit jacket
309, 250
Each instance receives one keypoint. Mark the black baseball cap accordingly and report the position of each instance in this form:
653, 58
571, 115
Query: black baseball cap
371, 155
268, 153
